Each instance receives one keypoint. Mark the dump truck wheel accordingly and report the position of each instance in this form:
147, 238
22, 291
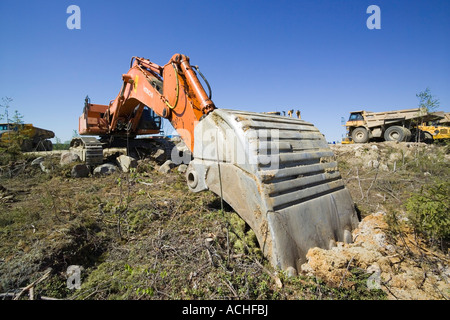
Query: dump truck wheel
394, 133
360, 135
427, 137
27, 145
423, 136
48, 145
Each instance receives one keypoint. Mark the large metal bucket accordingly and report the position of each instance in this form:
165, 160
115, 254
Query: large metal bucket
280, 176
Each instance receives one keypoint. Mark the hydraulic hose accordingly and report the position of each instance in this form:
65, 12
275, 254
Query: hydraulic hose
206, 81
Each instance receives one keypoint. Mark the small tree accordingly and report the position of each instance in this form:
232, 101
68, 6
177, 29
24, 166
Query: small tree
427, 101
427, 104
12, 140
17, 118
428, 211
6, 101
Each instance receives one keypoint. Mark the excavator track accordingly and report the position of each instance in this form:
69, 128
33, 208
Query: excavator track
280, 176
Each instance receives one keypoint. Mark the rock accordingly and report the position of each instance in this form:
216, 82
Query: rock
166, 167
182, 168
291, 272
44, 167
331, 265
126, 163
209, 242
105, 169
80, 171
159, 156
37, 161
373, 164
69, 157
371, 251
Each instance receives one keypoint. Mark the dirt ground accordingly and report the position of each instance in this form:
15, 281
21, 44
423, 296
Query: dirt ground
143, 235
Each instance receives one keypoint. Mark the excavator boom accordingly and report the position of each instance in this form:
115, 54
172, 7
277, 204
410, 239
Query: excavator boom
277, 172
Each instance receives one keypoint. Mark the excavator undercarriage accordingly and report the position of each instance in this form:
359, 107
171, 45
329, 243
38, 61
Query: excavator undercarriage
276, 172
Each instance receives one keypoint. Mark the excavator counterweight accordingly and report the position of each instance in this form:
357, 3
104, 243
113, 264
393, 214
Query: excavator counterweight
276, 172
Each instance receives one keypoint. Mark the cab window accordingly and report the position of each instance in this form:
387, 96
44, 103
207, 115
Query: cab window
356, 116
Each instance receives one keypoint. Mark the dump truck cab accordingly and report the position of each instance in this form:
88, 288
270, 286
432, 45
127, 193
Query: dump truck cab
4, 127
356, 128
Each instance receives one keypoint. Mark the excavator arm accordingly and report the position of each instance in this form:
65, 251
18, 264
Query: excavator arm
277, 172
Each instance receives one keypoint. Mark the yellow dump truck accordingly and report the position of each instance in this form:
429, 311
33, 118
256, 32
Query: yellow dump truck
29, 137
398, 125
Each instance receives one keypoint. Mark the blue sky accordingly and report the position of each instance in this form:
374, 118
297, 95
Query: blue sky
317, 56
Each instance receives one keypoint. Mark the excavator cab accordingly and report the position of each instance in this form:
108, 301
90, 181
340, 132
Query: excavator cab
150, 120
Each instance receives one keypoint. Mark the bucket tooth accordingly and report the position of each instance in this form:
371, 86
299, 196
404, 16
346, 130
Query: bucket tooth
279, 175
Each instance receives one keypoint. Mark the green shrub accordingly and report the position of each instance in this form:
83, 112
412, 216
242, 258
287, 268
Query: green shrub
428, 211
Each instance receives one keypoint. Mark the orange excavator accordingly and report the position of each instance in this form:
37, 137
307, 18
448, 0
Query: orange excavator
143, 99
276, 172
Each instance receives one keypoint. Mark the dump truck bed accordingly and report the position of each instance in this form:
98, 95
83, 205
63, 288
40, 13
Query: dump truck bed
377, 119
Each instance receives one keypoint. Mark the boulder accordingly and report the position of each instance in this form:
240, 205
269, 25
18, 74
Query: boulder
182, 168
126, 163
166, 167
80, 171
105, 169
159, 156
68, 158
